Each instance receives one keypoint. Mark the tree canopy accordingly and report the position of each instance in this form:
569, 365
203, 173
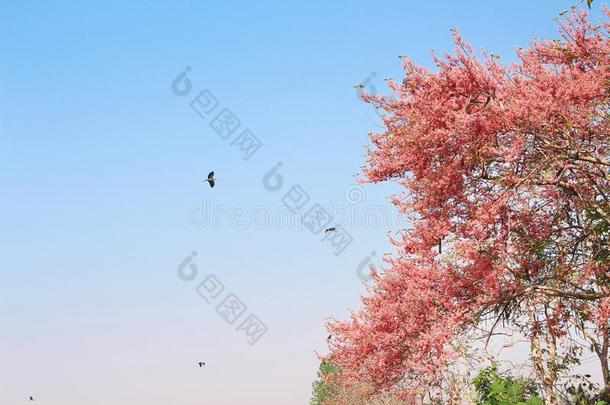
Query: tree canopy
506, 176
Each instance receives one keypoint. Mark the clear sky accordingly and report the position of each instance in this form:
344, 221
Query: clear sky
101, 166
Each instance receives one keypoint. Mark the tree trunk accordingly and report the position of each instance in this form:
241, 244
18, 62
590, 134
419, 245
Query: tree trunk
545, 377
603, 358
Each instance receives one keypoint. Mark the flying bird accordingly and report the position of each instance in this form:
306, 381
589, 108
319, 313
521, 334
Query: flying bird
359, 86
327, 230
201, 364
211, 179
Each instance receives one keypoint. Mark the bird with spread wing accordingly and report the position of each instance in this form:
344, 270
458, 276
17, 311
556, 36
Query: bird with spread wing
211, 179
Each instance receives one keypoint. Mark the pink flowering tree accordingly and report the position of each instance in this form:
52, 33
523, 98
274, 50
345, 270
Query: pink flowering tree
506, 176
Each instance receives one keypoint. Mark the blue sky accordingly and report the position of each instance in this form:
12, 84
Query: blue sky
101, 166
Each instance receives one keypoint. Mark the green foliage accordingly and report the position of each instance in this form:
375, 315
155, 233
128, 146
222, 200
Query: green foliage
323, 390
492, 388
584, 394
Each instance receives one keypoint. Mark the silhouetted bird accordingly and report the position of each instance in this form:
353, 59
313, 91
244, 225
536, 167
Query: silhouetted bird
329, 337
31, 398
359, 86
211, 179
333, 229
201, 364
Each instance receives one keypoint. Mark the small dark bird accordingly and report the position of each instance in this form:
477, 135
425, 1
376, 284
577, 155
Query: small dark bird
327, 230
201, 364
359, 86
211, 179
329, 337
31, 398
